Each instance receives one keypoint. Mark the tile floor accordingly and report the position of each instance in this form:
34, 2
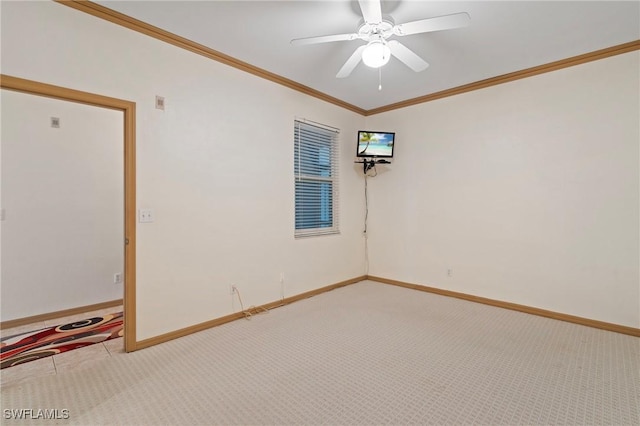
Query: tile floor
75, 359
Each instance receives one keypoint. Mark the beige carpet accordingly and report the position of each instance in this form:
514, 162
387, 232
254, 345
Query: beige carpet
369, 353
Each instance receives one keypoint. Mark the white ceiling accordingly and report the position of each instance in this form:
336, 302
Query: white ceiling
504, 36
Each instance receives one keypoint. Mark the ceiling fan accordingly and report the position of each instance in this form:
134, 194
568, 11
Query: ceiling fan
376, 29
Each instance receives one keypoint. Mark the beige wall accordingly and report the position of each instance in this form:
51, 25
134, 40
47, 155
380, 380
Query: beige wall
62, 192
527, 191
216, 166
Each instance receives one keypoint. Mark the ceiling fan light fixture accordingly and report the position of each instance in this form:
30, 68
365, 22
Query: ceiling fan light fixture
376, 54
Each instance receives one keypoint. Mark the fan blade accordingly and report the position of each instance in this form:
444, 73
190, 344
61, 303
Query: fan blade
351, 63
438, 23
407, 56
371, 11
323, 39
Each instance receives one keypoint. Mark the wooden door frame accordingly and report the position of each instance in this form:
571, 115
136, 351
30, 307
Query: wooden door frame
129, 113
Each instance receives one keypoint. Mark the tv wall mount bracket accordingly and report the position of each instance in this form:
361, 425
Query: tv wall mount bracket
368, 164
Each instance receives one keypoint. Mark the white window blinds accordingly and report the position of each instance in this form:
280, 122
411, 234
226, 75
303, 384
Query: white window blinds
316, 178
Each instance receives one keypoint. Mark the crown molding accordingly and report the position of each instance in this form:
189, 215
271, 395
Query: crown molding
160, 34
517, 75
126, 21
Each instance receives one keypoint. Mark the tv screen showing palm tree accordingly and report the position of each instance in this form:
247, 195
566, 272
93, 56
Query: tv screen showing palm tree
375, 144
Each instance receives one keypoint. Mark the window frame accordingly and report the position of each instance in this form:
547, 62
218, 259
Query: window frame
309, 140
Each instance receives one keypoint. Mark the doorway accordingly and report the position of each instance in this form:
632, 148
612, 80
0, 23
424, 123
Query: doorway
127, 109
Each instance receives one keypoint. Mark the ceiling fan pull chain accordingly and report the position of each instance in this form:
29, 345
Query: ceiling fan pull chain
379, 79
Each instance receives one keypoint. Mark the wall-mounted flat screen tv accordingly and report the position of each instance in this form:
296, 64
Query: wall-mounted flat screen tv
375, 144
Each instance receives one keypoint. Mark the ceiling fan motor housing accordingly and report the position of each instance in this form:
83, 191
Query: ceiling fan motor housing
382, 29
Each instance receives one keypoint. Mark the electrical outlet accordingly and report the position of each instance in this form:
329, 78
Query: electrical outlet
145, 216
449, 272
117, 278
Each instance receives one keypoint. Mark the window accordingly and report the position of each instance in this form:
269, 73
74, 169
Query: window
316, 176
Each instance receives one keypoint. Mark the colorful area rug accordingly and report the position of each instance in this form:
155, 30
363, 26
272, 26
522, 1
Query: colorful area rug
50, 341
